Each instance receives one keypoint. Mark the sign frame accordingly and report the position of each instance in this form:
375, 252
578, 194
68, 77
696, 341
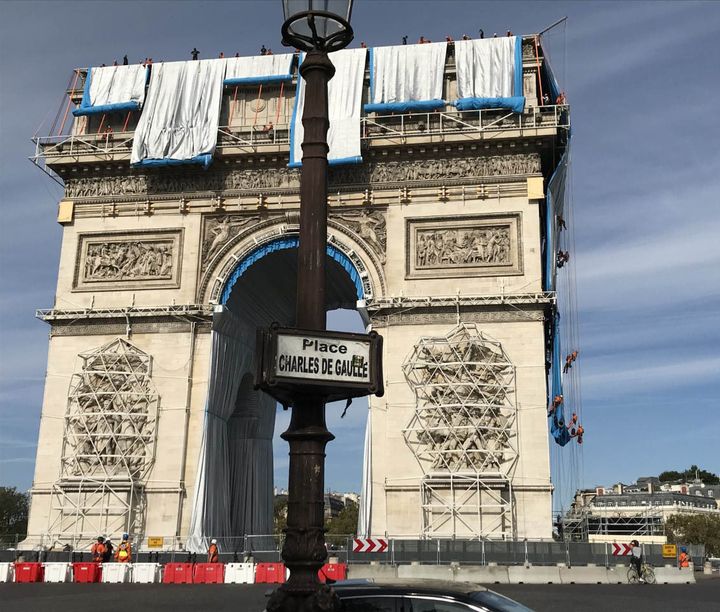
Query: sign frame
669, 551
286, 388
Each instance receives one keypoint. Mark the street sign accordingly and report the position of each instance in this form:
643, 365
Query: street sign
335, 365
368, 545
155, 542
622, 550
669, 551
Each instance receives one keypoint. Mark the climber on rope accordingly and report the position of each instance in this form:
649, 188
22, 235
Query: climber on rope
569, 361
561, 223
562, 258
557, 400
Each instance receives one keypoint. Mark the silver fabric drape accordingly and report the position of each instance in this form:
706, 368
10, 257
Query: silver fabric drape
486, 67
235, 459
182, 111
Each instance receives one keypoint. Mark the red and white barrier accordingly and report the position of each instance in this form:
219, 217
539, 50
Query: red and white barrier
57, 572
6, 572
116, 572
240, 573
146, 573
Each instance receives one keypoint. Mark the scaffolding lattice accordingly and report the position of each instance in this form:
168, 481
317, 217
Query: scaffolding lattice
109, 444
464, 433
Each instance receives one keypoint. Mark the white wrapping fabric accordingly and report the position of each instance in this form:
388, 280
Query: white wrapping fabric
258, 66
231, 356
405, 73
363, 527
117, 84
486, 67
182, 111
344, 105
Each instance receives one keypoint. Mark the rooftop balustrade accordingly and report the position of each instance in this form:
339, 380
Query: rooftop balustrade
377, 130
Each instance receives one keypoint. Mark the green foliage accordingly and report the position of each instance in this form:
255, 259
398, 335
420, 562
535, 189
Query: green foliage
280, 514
14, 507
690, 474
344, 523
695, 529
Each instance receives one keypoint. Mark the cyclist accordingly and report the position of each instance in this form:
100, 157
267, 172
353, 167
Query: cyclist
636, 558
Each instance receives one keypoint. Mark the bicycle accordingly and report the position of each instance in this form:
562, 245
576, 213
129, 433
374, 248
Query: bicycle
646, 573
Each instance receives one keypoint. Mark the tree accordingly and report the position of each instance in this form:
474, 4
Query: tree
280, 514
343, 524
690, 474
695, 529
14, 507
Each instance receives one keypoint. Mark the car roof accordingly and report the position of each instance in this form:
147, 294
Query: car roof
459, 590
465, 592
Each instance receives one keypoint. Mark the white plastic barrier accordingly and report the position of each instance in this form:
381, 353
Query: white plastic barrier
145, 572
116, 572
6, 572
57, 572
240, 573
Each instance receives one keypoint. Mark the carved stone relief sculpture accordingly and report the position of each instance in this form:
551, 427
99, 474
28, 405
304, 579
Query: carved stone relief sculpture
464, 419
219, 230
111, 415
369, 226
281, 177
440, 246
112, 261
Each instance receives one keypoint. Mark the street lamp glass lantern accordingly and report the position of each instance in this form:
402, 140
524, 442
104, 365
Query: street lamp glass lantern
317, 25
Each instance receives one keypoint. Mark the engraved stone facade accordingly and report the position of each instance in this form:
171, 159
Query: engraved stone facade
369, 226
458, 245
142, 260
283, 178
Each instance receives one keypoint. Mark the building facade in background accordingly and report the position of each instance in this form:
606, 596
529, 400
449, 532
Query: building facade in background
437, 238
640, 510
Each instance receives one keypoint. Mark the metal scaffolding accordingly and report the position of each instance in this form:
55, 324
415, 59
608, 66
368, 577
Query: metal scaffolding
464, 433
109, 444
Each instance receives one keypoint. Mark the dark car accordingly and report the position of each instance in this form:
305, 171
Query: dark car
373, 595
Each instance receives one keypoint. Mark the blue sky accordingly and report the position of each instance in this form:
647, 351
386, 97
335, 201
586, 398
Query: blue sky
642, 81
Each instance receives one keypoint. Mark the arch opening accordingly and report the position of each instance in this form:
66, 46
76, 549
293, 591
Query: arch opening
260, 290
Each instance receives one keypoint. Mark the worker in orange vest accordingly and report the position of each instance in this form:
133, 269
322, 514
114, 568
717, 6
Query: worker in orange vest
684, 558
213, 555
124, 551
98, 550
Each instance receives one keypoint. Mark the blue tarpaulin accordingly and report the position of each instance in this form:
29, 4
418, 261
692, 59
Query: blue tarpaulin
558, 424
281, 245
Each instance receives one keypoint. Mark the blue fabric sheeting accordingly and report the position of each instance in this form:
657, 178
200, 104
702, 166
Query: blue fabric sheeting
275, 78
558, 427
515, 104
518, 74
282, 244
205, 160
405, 107
106, 108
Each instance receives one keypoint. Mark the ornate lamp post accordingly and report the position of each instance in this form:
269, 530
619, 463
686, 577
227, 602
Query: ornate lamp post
317, 27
